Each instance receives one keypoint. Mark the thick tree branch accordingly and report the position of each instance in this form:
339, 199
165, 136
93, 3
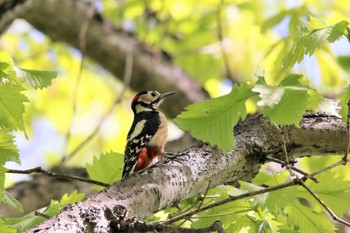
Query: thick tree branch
191, 171
109, 46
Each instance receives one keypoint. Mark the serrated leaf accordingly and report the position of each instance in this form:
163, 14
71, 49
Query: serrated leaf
26, 222
8, 149
307, 44
260, 221
72, 198
213, 120
278, 199
105, 168
8, 199
285, 104
11, 106
290, 108
224, 213
307, 220
343, 103
333, 190
35, 78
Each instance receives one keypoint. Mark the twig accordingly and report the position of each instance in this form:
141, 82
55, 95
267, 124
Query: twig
127, 79
200, 205
38, 213
251, 194
285, 151
337, 164
221, 40
57, 175
82, 45
293, 168
230, 199
319, 200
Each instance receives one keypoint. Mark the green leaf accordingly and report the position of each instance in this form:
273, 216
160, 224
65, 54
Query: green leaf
8, 149
25, 222
35, 78
344, 62
105, 168
243, 221
274, 20
333, 190
307, 220
213, 120
11, 106
307, 44
285, 104
11, 201
5, 228
278, 199
31, 220
270, 178
72, 198
260, 221
343, 103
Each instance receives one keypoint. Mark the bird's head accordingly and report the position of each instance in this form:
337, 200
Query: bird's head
148, 100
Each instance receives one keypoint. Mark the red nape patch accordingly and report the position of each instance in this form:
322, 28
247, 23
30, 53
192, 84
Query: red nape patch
134, 100
146, 157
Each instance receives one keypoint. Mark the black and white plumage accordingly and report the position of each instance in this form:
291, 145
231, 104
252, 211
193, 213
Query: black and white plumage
148, 133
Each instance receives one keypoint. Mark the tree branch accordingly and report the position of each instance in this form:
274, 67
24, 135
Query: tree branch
57, 175
188, 174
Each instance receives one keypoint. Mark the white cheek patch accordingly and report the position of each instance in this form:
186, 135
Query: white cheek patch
138, 129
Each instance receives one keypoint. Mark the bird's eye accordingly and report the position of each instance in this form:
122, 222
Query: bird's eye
153, 93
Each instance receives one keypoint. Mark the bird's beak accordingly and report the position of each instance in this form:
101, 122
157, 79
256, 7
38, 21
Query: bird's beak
164, 95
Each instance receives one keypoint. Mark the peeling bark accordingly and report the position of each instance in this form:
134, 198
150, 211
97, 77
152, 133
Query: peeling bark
193, 169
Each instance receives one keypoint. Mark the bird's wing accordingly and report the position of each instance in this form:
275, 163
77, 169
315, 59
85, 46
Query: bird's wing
142, 130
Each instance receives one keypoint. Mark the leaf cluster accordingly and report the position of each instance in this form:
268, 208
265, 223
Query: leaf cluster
14, 82
284, 104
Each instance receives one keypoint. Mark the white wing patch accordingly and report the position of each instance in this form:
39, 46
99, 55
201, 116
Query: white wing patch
138, 129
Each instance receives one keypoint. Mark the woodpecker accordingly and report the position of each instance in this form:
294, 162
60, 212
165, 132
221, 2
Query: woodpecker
148, 133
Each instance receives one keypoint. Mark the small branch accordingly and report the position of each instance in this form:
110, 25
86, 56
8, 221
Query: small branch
230, 199
200, 205
221, 40
251, 194
57, 175
337, 164
331, 213
284, 149
38, 213
82, 46
271, 159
